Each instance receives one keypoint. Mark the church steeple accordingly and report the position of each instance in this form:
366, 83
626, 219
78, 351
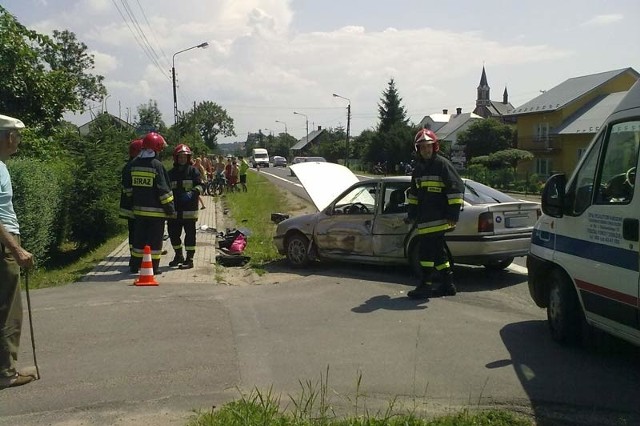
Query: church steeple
483, 90
505, 96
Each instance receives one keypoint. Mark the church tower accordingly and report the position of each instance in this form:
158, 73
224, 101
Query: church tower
483, 99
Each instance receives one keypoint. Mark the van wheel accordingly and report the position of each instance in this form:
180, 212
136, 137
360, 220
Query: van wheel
564, 314
499, 265
297, 250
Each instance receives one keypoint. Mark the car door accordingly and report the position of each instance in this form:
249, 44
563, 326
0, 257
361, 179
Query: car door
346, 231
389, 229
599, 244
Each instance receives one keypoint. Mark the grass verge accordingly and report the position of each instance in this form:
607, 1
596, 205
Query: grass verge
74, 270
314, 406
252, 210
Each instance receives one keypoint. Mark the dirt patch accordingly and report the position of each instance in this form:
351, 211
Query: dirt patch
245, 275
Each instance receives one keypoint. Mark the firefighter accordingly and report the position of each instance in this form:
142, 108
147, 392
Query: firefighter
152, 200
186, 183
435, 199
126, 205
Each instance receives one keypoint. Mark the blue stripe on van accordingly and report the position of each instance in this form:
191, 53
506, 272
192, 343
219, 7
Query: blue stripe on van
615, 256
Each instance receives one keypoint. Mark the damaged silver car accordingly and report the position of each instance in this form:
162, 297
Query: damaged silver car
362, 221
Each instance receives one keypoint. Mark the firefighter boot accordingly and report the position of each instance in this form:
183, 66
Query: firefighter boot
447, 288
188, 262
177, 259
422, 291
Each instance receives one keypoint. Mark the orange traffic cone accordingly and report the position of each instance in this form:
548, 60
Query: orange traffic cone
146, 277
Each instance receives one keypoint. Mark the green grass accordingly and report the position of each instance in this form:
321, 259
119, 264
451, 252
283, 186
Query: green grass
75, 266
314, 406
252, 210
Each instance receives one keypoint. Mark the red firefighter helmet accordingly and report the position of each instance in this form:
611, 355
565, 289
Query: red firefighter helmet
154, 141
182, 149
135, 147
426, 136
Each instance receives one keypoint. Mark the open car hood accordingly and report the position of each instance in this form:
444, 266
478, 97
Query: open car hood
323, 181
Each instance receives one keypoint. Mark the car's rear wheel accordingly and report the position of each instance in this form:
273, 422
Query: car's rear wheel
297, 250
499, 265
564, 313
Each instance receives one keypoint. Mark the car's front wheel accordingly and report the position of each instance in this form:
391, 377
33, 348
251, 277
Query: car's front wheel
499, 265
564, 313
297, 255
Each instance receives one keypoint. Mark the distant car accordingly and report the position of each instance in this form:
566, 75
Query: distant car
279, 161
362, 221
297, 160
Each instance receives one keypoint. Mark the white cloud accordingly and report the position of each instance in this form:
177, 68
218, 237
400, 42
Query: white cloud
603, 20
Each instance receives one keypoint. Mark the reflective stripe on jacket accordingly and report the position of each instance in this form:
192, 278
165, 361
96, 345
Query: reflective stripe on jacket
148, 182
435, 196
186, 179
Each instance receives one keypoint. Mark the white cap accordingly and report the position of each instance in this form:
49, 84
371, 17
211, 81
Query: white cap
10, 123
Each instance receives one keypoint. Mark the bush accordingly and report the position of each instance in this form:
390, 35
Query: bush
38, 189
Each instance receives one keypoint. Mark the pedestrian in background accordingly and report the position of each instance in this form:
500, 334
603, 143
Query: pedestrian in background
12, 258
126, 203
435, 199
186, 183
197, 163
242, 172
152, 200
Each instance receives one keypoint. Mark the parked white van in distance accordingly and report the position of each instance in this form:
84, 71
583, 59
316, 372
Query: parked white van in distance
584, 254
259, 157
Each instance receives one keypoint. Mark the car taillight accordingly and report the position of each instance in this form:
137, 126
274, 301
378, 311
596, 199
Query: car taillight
485, 222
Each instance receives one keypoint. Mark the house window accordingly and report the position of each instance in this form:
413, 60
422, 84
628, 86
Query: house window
543, 165
542, 132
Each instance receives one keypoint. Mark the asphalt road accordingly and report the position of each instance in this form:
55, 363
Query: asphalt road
114, 354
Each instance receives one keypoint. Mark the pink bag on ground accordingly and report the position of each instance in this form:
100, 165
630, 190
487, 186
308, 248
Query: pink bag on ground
238, 244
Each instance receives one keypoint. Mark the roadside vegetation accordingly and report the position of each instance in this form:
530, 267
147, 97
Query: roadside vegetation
315, 405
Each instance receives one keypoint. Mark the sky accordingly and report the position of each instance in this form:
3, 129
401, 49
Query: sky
267, 59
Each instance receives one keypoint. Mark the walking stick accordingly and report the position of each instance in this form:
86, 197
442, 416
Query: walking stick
33, 341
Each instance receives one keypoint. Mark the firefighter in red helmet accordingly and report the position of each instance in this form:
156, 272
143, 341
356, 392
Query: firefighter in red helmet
126, 204
186, 182
152, 200
435, 198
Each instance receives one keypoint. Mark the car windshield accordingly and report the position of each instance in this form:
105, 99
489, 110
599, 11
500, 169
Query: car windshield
316, 159
477, 193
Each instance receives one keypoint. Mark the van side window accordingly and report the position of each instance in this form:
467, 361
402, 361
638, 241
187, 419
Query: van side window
579, 194
618, 170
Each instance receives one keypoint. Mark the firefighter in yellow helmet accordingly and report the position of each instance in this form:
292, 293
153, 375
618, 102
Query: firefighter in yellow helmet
435, 199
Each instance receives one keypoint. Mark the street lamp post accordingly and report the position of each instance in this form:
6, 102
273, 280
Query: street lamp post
173, 78
306, 118
346, 158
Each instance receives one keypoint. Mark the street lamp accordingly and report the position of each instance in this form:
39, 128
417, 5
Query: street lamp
307, 121
173, 77
346, 159
285, 126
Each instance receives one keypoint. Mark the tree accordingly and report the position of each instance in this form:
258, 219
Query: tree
43, 77
484, 137
150, 117
207, 119
390, 111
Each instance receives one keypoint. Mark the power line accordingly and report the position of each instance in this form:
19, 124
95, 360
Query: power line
153, 32
144, 48
141, 33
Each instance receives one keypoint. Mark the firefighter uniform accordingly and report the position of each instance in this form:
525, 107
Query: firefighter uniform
435, 198
126, 202
186, 183
152, 204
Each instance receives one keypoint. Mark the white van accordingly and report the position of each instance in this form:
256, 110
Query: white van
259, 157
584, 255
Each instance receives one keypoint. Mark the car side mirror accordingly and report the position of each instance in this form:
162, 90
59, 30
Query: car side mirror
553, 195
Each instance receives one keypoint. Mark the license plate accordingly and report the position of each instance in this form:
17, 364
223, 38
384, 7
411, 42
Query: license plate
516, 222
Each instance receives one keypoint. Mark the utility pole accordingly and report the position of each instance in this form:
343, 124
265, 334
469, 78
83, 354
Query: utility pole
346, 156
